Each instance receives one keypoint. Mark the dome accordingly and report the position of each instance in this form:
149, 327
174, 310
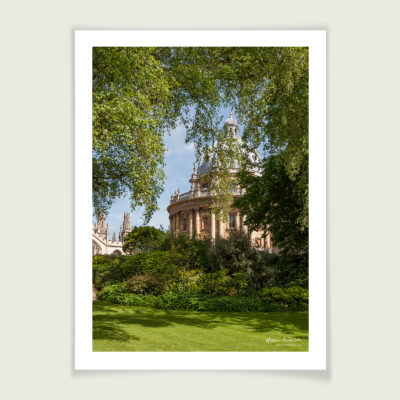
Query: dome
231, 121
206, 166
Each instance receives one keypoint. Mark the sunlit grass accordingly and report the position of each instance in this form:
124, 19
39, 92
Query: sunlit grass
122, 328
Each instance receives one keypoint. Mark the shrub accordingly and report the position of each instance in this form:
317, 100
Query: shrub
146, 284
274, 299
233, 254
106, 270
294, 296
190, 280
143, 238
117, 294
221, 283
110, 270
292, 270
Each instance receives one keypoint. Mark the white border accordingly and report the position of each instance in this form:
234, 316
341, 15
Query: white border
85, 359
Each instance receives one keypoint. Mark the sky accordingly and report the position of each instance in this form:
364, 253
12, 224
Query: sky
179, 161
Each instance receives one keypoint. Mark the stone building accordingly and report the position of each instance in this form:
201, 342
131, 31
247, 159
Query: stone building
190, 213
101, 243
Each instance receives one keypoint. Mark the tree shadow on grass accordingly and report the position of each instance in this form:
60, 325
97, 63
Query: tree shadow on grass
110, 332
280, 322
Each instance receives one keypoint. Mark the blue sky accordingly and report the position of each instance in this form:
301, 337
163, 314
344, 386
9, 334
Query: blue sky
179, 161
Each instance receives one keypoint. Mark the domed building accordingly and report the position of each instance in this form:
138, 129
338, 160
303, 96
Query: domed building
190, 213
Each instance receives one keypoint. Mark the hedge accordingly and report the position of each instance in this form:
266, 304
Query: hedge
275, 299
111, 270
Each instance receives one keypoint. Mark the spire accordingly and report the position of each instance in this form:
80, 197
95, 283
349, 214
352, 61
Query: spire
127, 223
101, 222
114, 239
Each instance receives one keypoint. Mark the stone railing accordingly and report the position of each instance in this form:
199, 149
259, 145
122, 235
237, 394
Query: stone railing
200, 193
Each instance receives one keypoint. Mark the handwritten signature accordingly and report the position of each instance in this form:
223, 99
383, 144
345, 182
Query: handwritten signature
283, 340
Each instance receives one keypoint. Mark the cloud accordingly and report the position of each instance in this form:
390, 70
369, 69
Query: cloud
175, 142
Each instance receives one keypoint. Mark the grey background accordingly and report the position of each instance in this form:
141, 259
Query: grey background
37, 187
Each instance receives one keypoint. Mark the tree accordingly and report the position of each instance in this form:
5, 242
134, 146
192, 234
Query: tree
141, 93
143, 238
268, 89
131, 110
274, 202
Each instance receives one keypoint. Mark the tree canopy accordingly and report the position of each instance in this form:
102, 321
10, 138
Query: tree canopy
139, 94
143, 238
274, 202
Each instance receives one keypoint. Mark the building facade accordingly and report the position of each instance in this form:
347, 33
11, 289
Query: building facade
101, 244
191, 213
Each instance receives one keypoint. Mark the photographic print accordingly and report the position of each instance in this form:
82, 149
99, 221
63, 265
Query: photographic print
200, 199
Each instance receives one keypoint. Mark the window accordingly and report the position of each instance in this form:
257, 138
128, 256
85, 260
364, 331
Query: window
232, 221
205, 186
185, 224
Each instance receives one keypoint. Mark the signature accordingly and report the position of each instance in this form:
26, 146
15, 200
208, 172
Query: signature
283, 340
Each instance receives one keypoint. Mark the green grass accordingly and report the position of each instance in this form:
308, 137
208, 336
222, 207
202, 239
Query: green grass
130, 328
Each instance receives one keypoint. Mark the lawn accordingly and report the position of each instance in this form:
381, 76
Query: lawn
123, 328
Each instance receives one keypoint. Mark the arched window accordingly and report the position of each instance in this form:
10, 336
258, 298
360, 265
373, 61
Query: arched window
185, 224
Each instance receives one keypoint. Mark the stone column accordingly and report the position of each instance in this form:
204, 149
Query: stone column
177, 227
221, 229
268, 240
171, 223
237, 221
212, 226
191, 223
197, 223
244, 227
252, 238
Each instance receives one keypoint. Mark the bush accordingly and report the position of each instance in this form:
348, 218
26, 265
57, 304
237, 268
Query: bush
233, 254
274, 299
117, 294
106, 270
110, 270
292, 270
143, 238
294, 296
186, 280
146, 284
220, 283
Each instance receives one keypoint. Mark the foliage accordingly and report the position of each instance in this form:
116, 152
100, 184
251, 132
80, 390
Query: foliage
106, 270
276, 203
109, 270
118, 294
131, 110
146, 284
292, 270
274, 299
221, 284
143, 238
196, 251
295, 295
186, 280
233, 254
140, 92
268, 89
